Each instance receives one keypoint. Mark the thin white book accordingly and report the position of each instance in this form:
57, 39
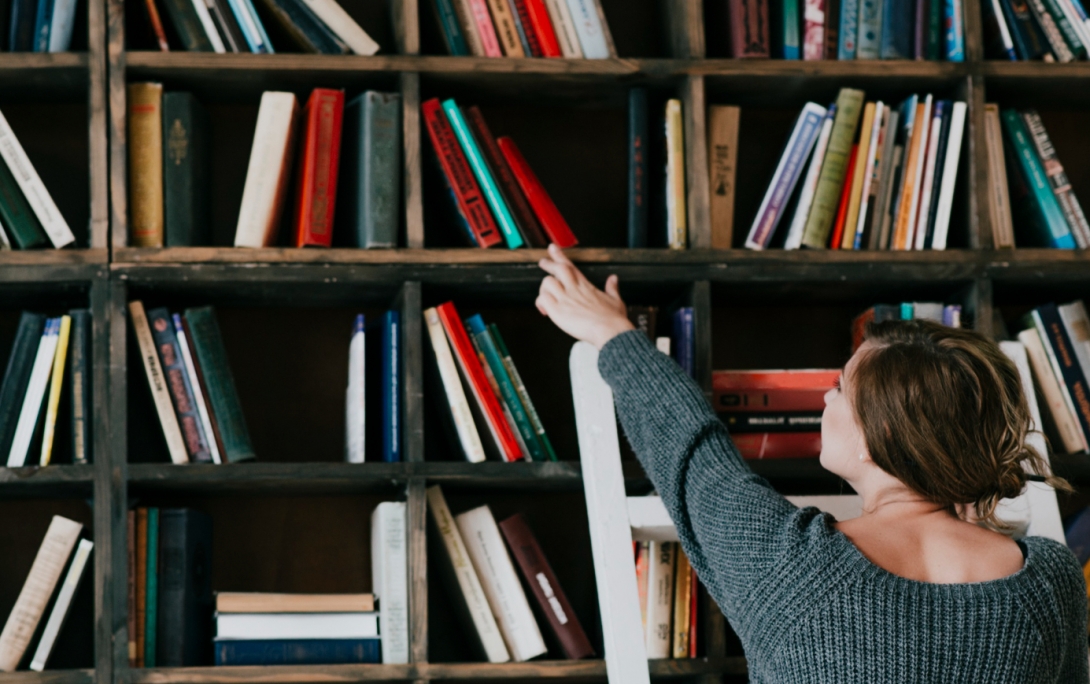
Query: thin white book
268, 171
42, 579
566, 35
949, 175
1004, 30
917, 173
472, 593
1057, 370
660, 594
209, 27
60, 606
198, 395
501, 583
1077, 324
468, 436
880, 114
343, 25
1063, 416
390, 578
160, 395
593, 31
61, 25
931, 163
296, 625
677, 222
809, 186
35, 394
355, 423
37, 196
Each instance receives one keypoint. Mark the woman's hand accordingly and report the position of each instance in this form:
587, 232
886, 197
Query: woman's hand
576, 305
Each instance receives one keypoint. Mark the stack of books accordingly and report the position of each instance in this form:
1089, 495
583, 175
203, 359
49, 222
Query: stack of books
41, 25
28, 216
44, 352
61, 547
524, 28
319, 26
891, 189
495, 195
382, 386
1049, 30
844, 29
484, 582
168, 170
668, 594
1029, 188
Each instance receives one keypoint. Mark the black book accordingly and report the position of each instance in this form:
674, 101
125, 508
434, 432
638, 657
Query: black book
1029, 40
772, 421
304, 28
185, 588
637, 167
79, 382
185, 171
228, 27
24, 14
17, 376
188, 25
940, 164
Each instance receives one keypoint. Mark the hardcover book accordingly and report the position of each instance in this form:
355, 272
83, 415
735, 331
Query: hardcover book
28, 337
268, 171
185, 587
723, 127
185, 171
371, 170
316, 193
177, 382
146, 164
158, 384
552, 221
79, 383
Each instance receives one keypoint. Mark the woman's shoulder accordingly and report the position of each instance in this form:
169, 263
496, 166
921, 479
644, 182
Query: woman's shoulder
1052, 557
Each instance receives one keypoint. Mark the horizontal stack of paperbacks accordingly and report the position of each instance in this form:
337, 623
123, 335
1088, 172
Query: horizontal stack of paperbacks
317, 26
840, 29
777, 413
171, 602
669, 595
1029, 187
40, 25
28, 216
44, 591
524, 28
45, 352
893, 188
169, 158
1049, 30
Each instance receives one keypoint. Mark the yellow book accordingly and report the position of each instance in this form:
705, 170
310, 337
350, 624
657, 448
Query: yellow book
55, 389
848, 241
901, 228
683, 592
146, 164
677, 231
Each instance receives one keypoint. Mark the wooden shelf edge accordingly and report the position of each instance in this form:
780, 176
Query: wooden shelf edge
42, 475
44, 60
48, 677
1035, 70
53, 257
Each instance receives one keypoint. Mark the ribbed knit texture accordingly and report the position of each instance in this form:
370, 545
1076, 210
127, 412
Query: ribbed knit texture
807, 605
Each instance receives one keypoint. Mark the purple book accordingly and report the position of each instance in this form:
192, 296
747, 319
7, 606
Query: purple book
919, 45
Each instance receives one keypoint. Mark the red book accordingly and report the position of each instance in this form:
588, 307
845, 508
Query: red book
317, 190
470, 365
813, 31
157, 25
556, 228
467, 193
537, 21
485, 28
802, 390
845, 195
523, 9
749, 29
778, 444
694, 602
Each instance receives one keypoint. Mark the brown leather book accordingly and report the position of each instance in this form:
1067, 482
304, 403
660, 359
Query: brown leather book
545, 588
146, 164
749, 34
723, 122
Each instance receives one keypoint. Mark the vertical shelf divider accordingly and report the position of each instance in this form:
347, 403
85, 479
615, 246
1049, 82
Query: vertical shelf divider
980, 225
694, 112
111, 475
99, 140
119, 195
407, 28
105, 498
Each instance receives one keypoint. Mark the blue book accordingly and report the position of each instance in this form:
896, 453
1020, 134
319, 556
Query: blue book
638, 186
849, 27
955, 31
869, 38
1077, 534
520, 28
391, 385
1031, 187
297, 651
24, 14
249, 23
898, 18
484, 175
685, 340
907, 313
451, 29
42, 24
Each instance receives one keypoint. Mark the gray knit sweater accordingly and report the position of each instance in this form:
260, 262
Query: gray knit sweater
807, 605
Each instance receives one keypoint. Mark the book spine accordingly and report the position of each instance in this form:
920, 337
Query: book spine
552, 221
897, 16
1068, 32
831, 25
389, 558
391, 386
196, 384
1072, 374
833, 169
208, 26
660, 595
862, 154
28, 338
521, 30
723, 126
45, 572
935, 37
56, 380
566, 34
222, 396
141, 582
883, 177
185, 589
590, 28
250, 25
156, 25
1051, 31
754, 445
185, 171
188, 25
522, 451
64, 21
642, 550
146, 164
869, 35
1061, 186
61, 605
1043, 200
157, 383
296, 651
772, 421
813, 30
940, 164
79, 382
43, 22
677, 225
842, 206
955, 31
1055, 367
304, 28
530, 30
317, 189
770, 400
131, 558
268, 171
234, 40
343, 26
787, 380
177, 381
682, 599
684, 339
17, 216
787, 29
468, 24
849, 21
468, 437
902, 213
1029, 40
31, 409
809, 185
485, 29
504, 23
452, 31
927, 183
355, 396
919, 35
870, 169
637, 168
24, 14
1066, 423
749, 30
949, 175
151, 621
523, 394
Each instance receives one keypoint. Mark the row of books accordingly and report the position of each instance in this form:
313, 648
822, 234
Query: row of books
495, 195
1029, 188
28, 216
169, 168
1049, 30
43, 590
668, 595
666, 151
41, 25
525, 28
892, 188
318, 26
45, 352
847, 29
368, 388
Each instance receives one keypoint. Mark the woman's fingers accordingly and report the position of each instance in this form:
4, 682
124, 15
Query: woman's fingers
557, 254
552, 287
563, 271
612, 287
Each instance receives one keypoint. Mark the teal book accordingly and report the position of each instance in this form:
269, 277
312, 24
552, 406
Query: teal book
787, 38
1067, 31
531, 412
1046, 212
18, 219
483, 174
152, 602
849, 28
869, 40
509, 394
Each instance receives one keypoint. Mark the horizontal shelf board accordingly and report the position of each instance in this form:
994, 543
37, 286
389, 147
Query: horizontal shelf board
54, 265
1037, 84
48, 677
53, 480
43, 76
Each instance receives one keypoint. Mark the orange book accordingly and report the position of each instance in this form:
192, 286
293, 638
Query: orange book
320, 160
845, 196
901, 228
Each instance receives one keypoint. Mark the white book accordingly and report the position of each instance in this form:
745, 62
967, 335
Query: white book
35, 394
33, 188
660, 595
591, 28
1065, 420
198, 395
355, 423
472, 593
160, 395
663, 345
61, 605
296, 625
881, 114
928, 181
949, 176
607, 511
60, 28
566, 34
468, 436
501, 583
343, 25
809, 186
268, 172
927, 311
1004, 30
1077, 24
209, 27
917, 173
390, 578
1077, 325
42, 579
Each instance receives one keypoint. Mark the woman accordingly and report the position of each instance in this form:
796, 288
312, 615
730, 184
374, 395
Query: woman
927, 421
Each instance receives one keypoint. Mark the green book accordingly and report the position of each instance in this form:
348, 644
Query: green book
1067, 31
1046, 214
185, 171
494, 331
19, 220
849, 105
151, 609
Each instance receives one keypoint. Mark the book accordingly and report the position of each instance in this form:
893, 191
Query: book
769, 421
60, 26
227, 25
914, 121
268, 171
45, 572
593, 30
945, 199
43, 22
186, 217
660, 598
31, 410
17, 217
158, 384
819, 223
1071, 35
468, 438
849, 22
145, 101
450, 28
468, 26
296, 651
21, 25
268, 602
869, 34
1029, 40
1065, 364
955, 30
939, 114
390, 578
1077, 325
1063, 417
525, 32
723, 126
371, 169
140, 583
748, 27
778, 444
677, 225
196, 385
814, 15
831, 29
56, 381
567, 36
61, 605
330, 13
187, 25
642, 551
255, 626
316, 192
1061, 186
842, 205
467, 591
684, 587
79, 383
185, 587
552, 221
941, 149
151, 587
1053, 35
1047, 217
512, 371
545, 588
793, 240
500, 583
355, 403
771, 390
685, 339
164, 335
503, 20
208, 26
905, 228
523, 451
305, 30
786, 43
897, 20
390, 340
870, 169
251, 26
486, 30
860, 164
156, 25
891, 177
997, 32
538, 27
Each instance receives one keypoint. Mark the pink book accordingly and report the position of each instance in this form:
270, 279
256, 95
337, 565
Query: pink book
813, 30
485, 29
